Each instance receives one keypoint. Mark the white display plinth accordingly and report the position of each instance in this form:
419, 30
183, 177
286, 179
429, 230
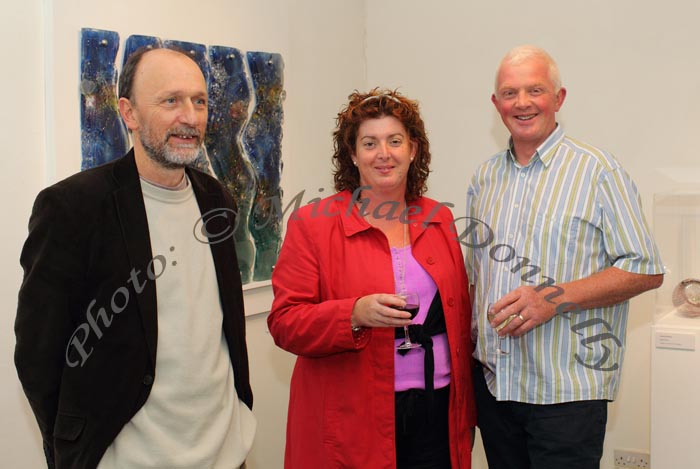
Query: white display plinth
675, 338
675, 392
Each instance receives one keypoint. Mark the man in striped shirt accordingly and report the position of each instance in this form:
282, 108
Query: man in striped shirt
558, 245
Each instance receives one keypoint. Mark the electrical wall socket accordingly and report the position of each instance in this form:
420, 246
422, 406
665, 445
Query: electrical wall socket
631, 458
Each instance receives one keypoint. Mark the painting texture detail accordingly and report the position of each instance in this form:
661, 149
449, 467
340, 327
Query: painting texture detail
242, 147
262, 140
103, 135
229, 102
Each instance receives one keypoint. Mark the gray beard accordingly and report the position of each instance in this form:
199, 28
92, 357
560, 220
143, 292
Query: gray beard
166, 157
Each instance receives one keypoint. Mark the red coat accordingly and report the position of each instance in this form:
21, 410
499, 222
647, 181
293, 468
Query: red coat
341, 403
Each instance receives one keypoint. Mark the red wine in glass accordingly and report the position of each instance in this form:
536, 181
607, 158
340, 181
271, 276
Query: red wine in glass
412, 306
413, 309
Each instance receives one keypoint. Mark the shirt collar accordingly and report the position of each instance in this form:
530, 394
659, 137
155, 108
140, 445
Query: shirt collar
545, 152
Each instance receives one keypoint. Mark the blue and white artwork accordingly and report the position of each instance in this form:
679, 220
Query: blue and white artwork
243, 143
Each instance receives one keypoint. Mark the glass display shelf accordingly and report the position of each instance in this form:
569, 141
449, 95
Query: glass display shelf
677, 234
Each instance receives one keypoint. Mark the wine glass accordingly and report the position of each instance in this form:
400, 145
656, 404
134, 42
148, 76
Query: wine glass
412, 306
490, 313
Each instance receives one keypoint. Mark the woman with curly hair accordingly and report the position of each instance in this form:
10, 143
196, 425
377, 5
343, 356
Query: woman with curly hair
359, 398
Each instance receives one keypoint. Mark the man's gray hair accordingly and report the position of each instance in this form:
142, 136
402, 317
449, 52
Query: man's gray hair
522, 53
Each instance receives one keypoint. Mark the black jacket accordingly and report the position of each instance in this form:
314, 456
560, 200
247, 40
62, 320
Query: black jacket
86, 323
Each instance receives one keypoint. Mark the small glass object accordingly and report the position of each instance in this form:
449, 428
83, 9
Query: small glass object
686, 297
490, 313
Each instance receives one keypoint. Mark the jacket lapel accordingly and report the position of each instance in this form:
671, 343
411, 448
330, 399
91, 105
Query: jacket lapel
218, 221
131, 211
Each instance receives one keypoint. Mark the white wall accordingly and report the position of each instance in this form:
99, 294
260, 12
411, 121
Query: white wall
632, 71
22, 143
322, 44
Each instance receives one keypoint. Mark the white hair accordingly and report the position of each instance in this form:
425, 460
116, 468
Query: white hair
520, 54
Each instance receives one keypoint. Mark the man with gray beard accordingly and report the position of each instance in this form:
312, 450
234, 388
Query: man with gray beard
130, 324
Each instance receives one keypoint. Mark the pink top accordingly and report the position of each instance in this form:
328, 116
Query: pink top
408, 369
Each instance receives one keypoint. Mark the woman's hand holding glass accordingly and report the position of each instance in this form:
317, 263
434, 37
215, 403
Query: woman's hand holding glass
380, 310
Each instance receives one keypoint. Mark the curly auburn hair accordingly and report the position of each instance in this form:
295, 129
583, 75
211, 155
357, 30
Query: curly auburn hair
373, 105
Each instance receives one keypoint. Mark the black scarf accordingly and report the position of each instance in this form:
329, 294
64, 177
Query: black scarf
434, 324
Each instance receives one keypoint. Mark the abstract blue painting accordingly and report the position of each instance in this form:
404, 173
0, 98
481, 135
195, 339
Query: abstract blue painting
262, 140
103, 136
243, 143
229, 103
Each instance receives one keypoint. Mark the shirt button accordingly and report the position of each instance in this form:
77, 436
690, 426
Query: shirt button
430, 261
522, 175
450, 301
148, 380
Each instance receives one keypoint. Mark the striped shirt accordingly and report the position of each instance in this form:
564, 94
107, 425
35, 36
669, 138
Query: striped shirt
571, 212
